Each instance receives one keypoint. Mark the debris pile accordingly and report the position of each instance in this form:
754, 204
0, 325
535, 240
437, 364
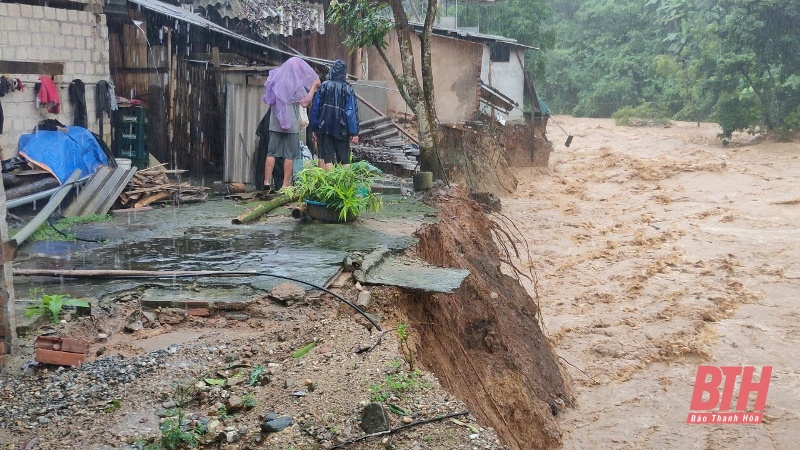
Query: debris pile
153, 185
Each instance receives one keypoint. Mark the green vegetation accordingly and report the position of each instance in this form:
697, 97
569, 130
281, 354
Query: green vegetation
304, 351
346, 189
734, 62
115, 405
644, 114
48, 233
51, 306
404, 333
249, 401
255, 374
396, 384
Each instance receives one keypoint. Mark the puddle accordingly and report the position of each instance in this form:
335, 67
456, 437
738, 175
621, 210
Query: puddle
200, 237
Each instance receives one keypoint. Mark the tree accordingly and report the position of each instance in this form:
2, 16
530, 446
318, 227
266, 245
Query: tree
367, 25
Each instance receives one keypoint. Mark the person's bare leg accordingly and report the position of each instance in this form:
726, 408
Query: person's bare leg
288, 167
268, 166
324, 165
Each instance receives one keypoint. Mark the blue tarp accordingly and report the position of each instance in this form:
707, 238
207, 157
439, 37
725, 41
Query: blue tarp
61, 153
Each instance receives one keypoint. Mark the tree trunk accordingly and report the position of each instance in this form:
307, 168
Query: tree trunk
419, 98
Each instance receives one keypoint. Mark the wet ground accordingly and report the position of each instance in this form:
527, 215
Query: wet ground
201, 237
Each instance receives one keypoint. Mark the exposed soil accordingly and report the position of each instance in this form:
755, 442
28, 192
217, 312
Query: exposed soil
658, 250
202, 366
652, 250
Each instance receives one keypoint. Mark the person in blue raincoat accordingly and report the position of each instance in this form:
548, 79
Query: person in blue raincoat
334, 118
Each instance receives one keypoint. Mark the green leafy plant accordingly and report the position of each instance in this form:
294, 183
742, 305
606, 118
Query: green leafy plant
403, 332
255, 374
249, 401
51, 305
346, 189
396, 384
303, 351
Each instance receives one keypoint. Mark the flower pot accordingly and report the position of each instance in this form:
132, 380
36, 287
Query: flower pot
320, 211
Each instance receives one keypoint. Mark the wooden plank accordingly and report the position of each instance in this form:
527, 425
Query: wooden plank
378, 111
26, 67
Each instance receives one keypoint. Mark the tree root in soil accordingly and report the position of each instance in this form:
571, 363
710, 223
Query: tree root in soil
398, 429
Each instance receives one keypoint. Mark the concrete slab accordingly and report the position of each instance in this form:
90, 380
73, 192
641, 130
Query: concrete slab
413, 273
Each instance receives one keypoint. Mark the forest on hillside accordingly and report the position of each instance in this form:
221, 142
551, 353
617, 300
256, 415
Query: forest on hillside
734, 62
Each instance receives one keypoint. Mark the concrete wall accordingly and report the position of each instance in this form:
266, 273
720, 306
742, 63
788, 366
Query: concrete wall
78, 39
456, 68
508, 78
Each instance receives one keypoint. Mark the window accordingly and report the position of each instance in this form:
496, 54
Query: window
499, 52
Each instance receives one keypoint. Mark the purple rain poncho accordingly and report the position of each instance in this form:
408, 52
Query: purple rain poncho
287, 84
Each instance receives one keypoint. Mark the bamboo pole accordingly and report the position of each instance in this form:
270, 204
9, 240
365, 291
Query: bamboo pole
262, 209
111, 273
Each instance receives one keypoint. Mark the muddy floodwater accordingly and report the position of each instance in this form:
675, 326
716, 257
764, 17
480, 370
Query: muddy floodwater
658, 250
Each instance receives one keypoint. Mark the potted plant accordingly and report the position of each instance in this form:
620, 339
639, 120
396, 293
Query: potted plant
344, 190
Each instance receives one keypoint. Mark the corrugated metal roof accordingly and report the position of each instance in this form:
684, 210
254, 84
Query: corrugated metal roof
496, 98
184, 15
244, 110
471, 36
269, 17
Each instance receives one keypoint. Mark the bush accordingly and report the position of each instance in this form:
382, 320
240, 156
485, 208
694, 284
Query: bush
646, 114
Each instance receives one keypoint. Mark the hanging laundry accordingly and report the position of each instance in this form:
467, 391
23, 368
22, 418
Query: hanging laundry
112, 96
18, 85
77, 96
48, 96
6, 86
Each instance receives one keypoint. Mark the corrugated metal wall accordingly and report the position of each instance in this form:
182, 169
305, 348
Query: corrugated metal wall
244, 111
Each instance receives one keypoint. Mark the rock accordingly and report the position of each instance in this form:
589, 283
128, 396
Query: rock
234, 404
150, 316
274, 425
364, 298
214, 426
171, 316
494, 295
237, 316
134, 326
288, 292
374, 418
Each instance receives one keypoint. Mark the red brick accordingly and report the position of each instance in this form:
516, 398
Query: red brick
2, 347
61, 344
201, 312
46, 356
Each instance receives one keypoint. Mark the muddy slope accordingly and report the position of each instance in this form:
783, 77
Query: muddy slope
483, 342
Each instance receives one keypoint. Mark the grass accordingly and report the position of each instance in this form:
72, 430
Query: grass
48, 233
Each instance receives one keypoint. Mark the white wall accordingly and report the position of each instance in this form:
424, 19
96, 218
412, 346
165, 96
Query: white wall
508, 78
78, 39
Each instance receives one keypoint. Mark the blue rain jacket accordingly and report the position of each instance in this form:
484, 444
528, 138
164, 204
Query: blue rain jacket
334, 110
